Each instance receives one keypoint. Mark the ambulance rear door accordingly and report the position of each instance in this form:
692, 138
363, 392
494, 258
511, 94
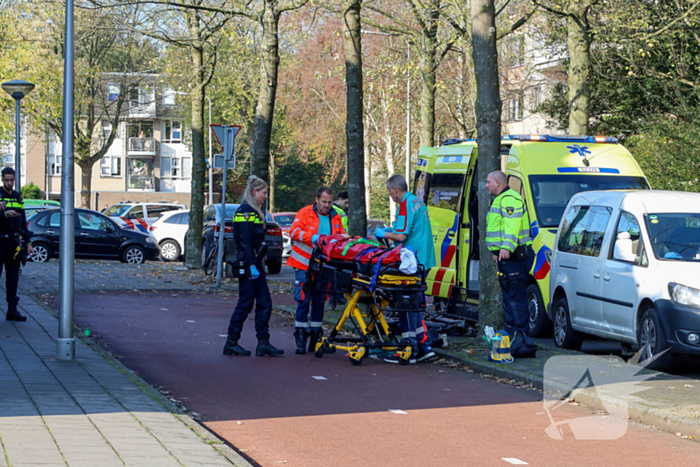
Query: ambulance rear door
445, 206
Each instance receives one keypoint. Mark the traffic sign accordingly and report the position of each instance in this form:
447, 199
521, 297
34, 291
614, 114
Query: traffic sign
219, 162
226, 136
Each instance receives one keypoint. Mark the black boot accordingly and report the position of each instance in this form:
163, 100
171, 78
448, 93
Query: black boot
14, 315
301, 334
265, 349
314, 336
232, 348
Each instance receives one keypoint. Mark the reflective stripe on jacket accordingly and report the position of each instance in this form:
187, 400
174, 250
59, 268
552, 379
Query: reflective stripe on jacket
13, 225
248, 233
507, 222
343, 216
304, 227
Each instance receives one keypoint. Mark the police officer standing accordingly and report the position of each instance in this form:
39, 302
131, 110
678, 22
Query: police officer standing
249, 236
13, 232
340, 206
508, 238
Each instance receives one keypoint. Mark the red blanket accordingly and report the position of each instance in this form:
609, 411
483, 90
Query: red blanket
333, 247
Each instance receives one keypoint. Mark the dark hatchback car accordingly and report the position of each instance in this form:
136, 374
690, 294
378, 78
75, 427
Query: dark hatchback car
273, 235
96, 237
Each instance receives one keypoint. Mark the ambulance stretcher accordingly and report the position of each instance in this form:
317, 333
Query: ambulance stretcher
368, 274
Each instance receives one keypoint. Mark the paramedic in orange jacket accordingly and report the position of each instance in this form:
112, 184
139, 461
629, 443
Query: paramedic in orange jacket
309, 223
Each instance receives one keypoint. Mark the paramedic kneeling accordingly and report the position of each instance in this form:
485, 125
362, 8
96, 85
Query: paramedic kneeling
508, 238
411, 228
309, 223
249, 236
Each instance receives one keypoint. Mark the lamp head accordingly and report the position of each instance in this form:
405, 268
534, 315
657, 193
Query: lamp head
18, 88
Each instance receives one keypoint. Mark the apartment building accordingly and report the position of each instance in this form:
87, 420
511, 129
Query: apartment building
530, 70
149, 160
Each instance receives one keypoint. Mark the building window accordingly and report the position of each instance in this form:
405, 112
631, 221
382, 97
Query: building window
113, 91
176, 167
54, 158
141, 175
515, 109
106, 129
516, 51
168, 96
111, 166
172, 131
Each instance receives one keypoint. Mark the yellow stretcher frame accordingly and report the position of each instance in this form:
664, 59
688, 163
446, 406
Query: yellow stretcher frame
368, 323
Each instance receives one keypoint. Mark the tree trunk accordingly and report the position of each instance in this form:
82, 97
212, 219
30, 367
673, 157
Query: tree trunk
428, 67
265, 110
488, 126
193, 247
85, 186
354, 128
578, 43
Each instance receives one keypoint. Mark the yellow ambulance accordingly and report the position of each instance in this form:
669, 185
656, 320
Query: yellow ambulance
547, 171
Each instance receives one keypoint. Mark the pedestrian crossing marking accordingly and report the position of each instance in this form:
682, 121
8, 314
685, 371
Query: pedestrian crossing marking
398, 412
320, 378
514, 461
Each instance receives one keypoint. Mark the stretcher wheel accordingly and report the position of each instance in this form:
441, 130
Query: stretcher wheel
354, 362
404, 361
319, 352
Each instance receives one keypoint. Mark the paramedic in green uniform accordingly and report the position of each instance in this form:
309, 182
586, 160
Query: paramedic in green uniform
412, 229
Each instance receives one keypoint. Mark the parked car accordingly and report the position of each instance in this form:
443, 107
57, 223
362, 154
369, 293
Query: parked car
139, 216
96, 237
212, 223
33, 205
627, 267
169, 231
284, 220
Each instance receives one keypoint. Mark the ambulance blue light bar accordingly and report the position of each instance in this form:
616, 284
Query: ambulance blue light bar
563, 138
544, 138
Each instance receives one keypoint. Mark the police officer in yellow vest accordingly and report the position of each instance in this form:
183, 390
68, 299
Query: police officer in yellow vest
13, 238
508, 238
340, 205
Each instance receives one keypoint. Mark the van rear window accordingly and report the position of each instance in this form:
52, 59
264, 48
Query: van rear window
446, 191
551, 193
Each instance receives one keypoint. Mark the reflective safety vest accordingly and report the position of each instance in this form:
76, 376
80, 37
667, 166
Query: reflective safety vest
343, 216
304, 227
507, 223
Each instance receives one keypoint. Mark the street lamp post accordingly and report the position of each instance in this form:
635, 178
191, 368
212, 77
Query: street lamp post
18, 89
211, 161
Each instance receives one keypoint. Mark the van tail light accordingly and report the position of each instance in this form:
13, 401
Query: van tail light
227, 229
153, 227
276, 231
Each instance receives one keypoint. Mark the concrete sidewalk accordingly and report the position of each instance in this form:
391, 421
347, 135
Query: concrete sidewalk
87, 412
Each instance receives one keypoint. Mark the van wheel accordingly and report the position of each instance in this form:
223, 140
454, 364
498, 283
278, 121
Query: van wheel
652, 342
539, 323
565, 336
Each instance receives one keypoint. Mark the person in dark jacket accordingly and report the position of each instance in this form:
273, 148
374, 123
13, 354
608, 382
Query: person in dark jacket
249, 236
13, 237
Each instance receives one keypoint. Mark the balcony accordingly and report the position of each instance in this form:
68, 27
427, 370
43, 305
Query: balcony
144, 109
142, 146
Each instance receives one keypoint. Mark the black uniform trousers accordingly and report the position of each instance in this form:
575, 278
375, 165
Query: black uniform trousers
252, 292
515, 307
11, 266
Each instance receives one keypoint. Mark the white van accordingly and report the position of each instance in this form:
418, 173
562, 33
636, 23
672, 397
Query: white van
626, 266
139, 216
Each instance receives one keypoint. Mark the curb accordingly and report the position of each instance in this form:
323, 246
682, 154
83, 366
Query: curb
226, 450
636, 411
639, 412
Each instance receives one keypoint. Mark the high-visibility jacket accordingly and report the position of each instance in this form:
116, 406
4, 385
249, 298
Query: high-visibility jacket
507, 222
304, 227
248, 233
13, 225
343, 216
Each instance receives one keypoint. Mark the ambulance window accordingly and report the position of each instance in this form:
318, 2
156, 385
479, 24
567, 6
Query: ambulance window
515, 184
446, 191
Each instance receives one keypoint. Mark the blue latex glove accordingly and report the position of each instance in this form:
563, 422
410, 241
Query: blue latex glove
254, 273
379, 232
314, 239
